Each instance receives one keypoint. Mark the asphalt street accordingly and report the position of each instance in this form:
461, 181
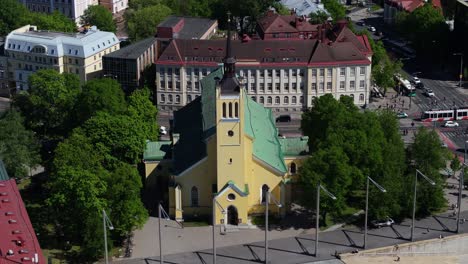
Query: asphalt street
300, 249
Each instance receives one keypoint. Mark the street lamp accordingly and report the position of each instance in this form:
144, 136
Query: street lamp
111, 76
161, 211
460, 191
382, 189
461, 66
107, 224
317, 214
267, 201
215, 204
414, 197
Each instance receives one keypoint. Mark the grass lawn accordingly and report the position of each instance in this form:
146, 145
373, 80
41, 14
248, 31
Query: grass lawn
346, 217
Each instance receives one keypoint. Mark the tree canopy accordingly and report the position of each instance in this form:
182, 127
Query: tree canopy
14, 15
335, 8
348, 146
47, 104
99, 16
142, 23
318, 17
19, 149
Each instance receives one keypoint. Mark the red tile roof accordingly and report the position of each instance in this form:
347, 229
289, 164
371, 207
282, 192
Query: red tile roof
411, 5
337, 45
18, 241
276, 23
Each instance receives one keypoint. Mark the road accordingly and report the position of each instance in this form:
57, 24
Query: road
4, 104
300, 248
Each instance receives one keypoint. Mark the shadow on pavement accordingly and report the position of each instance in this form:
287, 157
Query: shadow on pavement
282, 250
153, 261
327, 242
256, 257
372, 234
304, 249
441, 224
200, 258
225, 256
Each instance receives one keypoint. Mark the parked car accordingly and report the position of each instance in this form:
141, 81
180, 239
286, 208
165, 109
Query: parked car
429, 92
361, 23
419, 85
381, 223
451, 124
371, 29
402, 115
283, 118
162, 130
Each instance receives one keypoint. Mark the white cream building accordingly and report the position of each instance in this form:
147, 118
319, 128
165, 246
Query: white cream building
29, 50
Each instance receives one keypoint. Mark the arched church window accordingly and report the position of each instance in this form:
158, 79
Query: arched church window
236, 109
224, 110
230, 110
293, 168
265, 189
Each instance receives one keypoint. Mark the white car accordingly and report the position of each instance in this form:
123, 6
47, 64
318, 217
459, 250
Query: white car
416, 80
451, 124
372, 29
162, 130
429, 92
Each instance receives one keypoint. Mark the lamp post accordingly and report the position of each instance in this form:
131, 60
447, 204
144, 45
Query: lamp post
414, 197
317, 214
215, 204
161, 212
268, 195
106, 222
460, 193
382, 189
461, 66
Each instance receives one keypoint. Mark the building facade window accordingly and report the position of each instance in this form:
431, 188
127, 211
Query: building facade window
329, 72
314, 87
342, 85
194, 196
177, 99
294, 100
361, 84
362, 71
262, 100
286, 100
230, 110
342, 72
329, 86
189, 98
322, 72
170, 98
292, 168
277, 100
269, 100
163, 98
353, 71
236, 109
352, 85
361, 98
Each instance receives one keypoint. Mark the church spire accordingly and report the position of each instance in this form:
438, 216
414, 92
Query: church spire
229, 61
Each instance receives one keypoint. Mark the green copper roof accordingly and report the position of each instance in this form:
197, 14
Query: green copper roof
208, 100
157, 150
3, 173
294, 146
260, 126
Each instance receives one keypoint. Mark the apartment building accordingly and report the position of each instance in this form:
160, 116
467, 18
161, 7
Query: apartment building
73, 9
29, 49
128, 65
115, 6
4, 87
284, 76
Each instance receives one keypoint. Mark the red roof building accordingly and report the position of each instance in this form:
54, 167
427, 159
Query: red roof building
391, 7
18, 241
284, 75
276, 26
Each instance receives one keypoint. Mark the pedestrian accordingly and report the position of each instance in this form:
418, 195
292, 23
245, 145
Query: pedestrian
427, 229
398, 259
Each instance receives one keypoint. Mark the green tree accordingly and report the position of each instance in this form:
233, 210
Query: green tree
13, 15
123, 196
335, 8
195, 8
139, 4
19, 149
280, 8
100, 95
47, 104
318, 17
54, 22
241, 9
116, 137
99, 16
141, 108
429, 157
142, 23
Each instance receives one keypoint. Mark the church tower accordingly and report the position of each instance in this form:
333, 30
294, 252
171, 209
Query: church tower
230, 122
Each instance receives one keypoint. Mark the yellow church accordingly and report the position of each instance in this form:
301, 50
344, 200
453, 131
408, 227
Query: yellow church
223, 144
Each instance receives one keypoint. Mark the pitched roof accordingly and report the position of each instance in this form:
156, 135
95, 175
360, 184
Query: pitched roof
157, 150
17, 235
132, 51
304, 7
339, 45
259, 125
275, 23
192, 27
411, 5
294, 146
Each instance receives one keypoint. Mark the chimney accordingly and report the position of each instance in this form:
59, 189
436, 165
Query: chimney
319, 35
270, 11
298, 21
